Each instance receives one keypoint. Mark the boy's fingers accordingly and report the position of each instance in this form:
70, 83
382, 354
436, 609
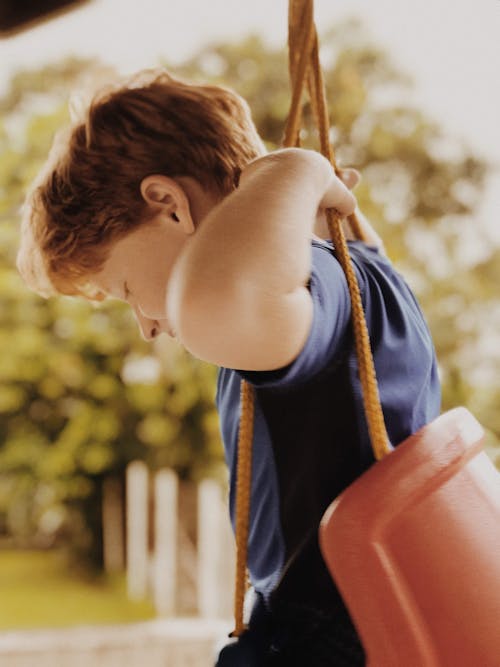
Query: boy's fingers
339, 196
351, 177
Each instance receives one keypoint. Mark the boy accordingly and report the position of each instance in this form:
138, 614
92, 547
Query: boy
163, 196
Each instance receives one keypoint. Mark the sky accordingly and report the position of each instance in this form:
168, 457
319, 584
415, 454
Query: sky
450, 47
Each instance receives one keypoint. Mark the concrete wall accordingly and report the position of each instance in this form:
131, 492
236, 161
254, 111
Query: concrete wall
160, 643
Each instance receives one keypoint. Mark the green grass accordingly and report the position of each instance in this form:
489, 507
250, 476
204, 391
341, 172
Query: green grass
37, 590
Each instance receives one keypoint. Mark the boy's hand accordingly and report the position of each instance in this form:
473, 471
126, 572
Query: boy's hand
336, 187
335, 191
350, 178
337, 196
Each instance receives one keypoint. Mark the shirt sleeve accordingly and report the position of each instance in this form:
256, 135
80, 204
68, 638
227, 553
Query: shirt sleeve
326, 340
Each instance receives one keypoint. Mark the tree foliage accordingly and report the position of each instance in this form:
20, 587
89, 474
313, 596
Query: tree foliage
81, 394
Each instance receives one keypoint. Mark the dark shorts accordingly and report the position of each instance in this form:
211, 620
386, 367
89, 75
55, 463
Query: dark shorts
295, 635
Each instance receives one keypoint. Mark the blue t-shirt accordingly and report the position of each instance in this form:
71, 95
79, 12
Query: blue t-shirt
310, 433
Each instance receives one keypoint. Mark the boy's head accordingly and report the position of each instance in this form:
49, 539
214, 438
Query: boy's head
139, 146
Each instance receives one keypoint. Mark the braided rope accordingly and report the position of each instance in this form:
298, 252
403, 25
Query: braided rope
371, 398
304, 64
243, 492
299, 69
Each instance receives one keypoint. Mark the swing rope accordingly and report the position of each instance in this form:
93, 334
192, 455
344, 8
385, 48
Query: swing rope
304, 63
243, 486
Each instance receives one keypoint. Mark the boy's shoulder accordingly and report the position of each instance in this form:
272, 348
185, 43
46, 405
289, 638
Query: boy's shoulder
393, 315
360, 252
378, 279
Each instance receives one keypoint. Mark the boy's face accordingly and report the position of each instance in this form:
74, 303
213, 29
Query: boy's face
139, 265
137, 271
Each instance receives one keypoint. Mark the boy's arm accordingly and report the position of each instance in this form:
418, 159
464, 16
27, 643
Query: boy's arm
237, 294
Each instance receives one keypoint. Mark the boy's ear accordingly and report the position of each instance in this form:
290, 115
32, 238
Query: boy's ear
169, 199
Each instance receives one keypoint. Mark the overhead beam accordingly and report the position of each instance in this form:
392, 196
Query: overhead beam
19, 15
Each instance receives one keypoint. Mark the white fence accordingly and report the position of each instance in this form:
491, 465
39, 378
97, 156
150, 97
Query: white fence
183, 569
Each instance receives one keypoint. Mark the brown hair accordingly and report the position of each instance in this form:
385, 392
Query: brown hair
88, 193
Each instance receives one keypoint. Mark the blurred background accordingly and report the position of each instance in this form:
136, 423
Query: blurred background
98, 429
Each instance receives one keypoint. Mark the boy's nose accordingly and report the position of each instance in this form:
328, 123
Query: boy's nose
149, 328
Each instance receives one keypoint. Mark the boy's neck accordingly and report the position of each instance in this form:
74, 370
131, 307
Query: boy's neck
201, 200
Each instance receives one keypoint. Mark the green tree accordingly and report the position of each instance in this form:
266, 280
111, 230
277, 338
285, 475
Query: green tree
80, 393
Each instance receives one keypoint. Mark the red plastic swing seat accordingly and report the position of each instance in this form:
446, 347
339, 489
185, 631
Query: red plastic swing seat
414, 548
